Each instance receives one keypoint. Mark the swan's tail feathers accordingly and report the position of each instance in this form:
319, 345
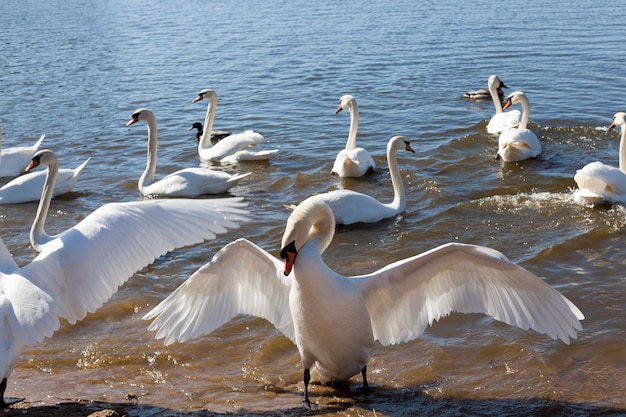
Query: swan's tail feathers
79, 169
239, 177
37, 144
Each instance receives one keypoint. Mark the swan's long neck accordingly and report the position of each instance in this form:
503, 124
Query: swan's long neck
38, 236
354, 126
494, 97
399, 197
205, 140
525, 112
622, 149
147, 177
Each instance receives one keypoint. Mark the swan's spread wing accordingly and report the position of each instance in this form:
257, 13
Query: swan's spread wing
406, 296
83, 267
240, 279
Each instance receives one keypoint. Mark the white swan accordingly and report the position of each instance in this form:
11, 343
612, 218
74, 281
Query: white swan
518, 143
232, 148
186, 182
598, 182
352, 207
334, 319
14, 160
352, 161
28, 187
502, 120
81, 268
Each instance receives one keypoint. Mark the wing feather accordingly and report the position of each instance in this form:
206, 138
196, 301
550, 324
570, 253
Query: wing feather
241, 278
84, 266
406, 296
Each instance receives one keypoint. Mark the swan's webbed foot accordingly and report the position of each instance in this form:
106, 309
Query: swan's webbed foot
366, 388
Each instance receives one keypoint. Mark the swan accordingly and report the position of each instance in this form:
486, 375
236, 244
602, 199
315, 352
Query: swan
232, 148
186, 182
518, 143
14, 160
352, 161
502, 120
598, 182
334, 319
216, 135
81, 268
351, 207
28, 187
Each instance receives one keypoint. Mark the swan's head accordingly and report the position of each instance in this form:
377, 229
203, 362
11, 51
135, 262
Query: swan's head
619, 119
345, 102
399, 142
140, 115
312, 218
495, 81
206, 94
42, 157
514, 98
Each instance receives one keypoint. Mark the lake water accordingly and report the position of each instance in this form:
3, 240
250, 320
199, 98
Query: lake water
76, 70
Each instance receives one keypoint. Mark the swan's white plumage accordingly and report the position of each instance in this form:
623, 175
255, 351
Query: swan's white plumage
81, 268
352, 207
28, 187
188, 182
240, 279
14, 160
518, 143
337, 318
352, 161
501, 120
598, 182
232, 148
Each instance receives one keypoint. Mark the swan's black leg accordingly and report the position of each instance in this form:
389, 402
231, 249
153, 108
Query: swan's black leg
3, 387
307, 378
366, 388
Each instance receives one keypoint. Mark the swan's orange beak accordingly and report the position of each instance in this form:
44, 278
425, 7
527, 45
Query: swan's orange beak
289, 253
338, 109
612, 125
197, 99
507, 104
134, 119
33, 164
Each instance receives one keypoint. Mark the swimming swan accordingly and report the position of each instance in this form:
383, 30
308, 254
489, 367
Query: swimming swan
188, 182
518, 143
598, 182
334, 319
352, 207
352, 161
28, 187
81, 268
14, 160
501, 120
232, 148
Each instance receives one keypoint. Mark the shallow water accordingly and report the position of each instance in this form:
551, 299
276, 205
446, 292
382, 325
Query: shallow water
76, 71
